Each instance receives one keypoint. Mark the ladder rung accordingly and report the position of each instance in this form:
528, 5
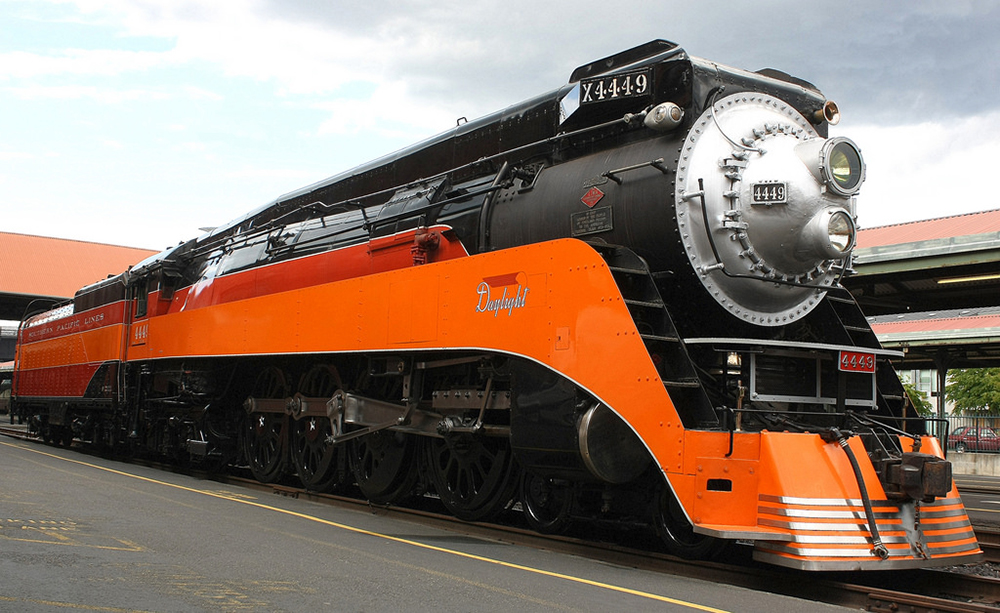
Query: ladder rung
645, 303
658, 337
629, 271
691, 383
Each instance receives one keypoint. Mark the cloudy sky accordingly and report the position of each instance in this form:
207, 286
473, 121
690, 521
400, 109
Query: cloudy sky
136, 122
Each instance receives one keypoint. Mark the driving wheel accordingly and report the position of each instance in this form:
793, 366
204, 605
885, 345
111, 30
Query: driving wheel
314, 456
265, 434
384, 464
473, 475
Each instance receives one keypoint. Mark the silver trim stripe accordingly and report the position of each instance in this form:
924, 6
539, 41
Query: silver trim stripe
871, 563
857, 553
841, 526
849, 502
890, 534
817, 514
839, 539
820, 539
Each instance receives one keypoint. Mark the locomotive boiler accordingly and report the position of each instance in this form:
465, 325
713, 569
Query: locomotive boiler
616, 301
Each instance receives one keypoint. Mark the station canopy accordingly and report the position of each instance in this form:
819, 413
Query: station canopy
39, 268
932, 289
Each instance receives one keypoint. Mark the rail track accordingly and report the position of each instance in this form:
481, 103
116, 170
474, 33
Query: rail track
915, 591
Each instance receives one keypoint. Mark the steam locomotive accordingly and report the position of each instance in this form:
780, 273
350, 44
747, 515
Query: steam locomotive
616, 301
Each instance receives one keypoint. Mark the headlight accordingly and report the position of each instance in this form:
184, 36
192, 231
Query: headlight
840, 231
844, 167
835, 162
830, 235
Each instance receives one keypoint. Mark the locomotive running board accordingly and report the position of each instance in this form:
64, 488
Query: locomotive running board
656, 328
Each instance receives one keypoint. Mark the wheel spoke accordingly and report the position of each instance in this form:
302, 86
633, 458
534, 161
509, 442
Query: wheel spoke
474, 476
546, 504
314, 457
265, 433
384, 465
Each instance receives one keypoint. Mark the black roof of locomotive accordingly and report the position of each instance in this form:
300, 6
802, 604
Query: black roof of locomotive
487, 138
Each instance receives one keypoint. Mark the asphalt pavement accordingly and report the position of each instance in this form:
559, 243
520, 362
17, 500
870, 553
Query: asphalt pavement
85, 533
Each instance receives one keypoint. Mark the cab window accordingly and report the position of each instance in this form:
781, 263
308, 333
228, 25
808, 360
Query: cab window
141, 297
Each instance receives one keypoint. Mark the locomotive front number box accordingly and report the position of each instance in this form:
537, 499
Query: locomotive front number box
770, 193
856, 361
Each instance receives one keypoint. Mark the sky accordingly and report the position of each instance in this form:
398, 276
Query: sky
137, 122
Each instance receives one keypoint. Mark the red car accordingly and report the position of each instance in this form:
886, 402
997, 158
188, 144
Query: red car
971, 438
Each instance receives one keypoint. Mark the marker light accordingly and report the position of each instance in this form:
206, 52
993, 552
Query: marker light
664, 117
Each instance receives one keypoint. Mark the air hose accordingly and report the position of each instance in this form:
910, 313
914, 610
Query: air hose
834, 434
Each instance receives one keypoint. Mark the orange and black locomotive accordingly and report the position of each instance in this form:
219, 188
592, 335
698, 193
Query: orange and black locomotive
619, 300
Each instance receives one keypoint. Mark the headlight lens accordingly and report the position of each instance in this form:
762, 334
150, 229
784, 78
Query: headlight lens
829, 235
840, 230
843, 168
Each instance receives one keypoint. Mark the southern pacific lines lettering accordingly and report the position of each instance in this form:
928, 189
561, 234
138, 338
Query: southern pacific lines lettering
69, 326
498, 294
33, 334
74, 324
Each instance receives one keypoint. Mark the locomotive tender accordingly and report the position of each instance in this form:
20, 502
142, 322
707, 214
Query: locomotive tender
619, 300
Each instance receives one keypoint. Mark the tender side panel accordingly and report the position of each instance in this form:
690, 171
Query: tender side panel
59, 358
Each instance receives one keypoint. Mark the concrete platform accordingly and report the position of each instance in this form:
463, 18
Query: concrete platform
86, 533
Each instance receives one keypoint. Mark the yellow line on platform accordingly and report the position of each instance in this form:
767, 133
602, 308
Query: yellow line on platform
462, 554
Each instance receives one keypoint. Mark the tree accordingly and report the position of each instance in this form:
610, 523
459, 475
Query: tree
918, 400
974, 390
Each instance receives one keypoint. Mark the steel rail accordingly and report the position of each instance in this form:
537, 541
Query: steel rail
918, 591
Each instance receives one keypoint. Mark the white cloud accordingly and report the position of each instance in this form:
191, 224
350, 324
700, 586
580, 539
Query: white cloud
6, 156
251, 172
108, 95
927, 170
101, 62
191, 147
386, 111
236, 36
267, 86
192, 92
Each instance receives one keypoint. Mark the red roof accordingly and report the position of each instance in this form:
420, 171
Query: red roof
929, 229
975, 322
57, 267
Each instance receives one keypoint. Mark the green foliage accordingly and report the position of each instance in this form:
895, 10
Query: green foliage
917, 399
974, 390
